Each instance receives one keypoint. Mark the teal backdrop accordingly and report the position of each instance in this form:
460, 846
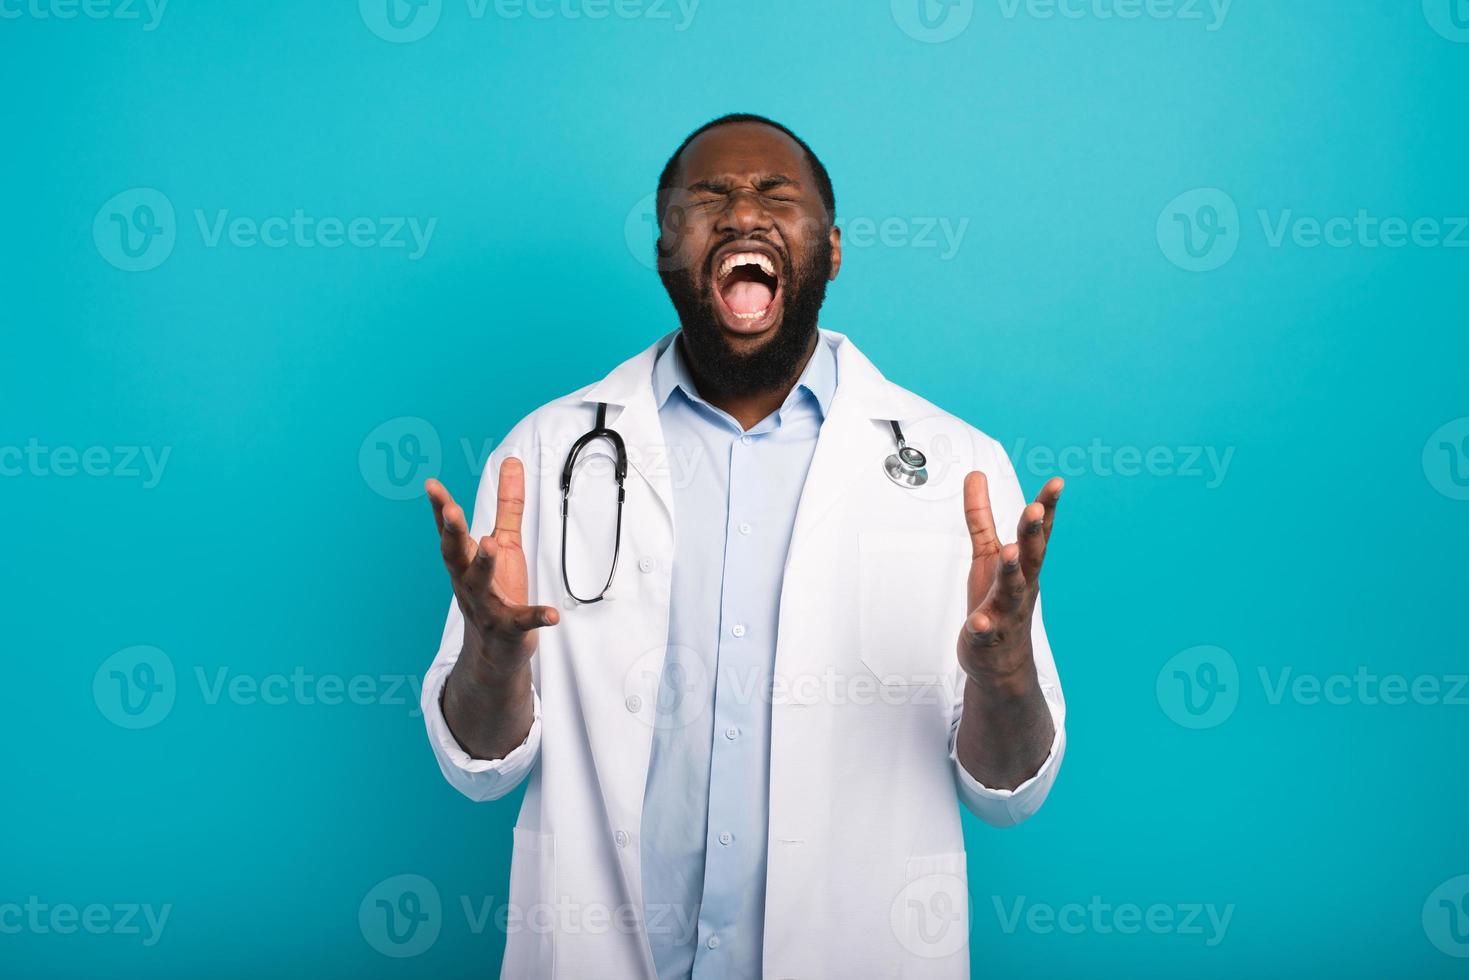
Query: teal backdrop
266, 266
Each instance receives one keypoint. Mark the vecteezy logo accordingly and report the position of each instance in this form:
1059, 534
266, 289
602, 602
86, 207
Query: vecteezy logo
1446, 459
400, 21
1446, 917
933, 21
397, 456
1199, 687
1199, 230
401, 916
929, 916
1449, 17
653, 245
135, 230
134, 688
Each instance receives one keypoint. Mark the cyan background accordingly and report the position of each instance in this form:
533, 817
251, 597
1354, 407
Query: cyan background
1334, 540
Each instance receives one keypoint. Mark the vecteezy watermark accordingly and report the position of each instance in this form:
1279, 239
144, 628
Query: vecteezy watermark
40, 918
1446, 917
930, 916
1210, 13
404, 915
1201, 230
137, 687
1203, 920
1207, 463
405, 21
147, 12
1364, 687
933, 21
145, 463
397, 456
1199, 687
942, 235
1446, 459
401, 916
936, 21
1450, 18
137, 230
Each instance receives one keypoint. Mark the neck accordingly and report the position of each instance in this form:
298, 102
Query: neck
748, 408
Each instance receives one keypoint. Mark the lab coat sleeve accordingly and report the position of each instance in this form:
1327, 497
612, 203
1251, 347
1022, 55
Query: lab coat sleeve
485, 779
1007, 807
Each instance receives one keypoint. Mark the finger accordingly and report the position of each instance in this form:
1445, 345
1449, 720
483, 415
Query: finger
455, 544
439, 498
481, 571
1031, 537
1010, 587
1050, 498
510, 502
978, 517
979, 628
527, 618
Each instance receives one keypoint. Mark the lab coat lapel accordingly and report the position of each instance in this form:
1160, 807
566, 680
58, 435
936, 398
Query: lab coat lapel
850, 446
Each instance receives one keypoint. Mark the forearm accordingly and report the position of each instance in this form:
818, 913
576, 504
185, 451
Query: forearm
488, 713
1006, 729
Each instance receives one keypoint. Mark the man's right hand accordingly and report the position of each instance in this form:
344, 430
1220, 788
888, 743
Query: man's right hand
489, 576
487, 698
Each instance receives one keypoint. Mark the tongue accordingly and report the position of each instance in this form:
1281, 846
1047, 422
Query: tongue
748, 297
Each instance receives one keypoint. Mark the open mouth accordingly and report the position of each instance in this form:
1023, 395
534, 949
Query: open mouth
747, 283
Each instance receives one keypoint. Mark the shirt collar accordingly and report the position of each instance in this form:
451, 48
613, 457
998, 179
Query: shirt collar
819, 377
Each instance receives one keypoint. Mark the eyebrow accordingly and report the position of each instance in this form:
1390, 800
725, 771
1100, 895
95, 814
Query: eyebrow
765, 182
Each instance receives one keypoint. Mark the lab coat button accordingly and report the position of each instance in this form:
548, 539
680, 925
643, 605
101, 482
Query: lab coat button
744, 528
746, 440
726, 837
645, 564
731, 733
713, 942
738, 629
621, 838
634, 704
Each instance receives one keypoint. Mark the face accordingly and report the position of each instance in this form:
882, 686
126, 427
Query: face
745, 251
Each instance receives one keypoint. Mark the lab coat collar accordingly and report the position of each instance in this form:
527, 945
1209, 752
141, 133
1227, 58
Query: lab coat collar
858, 381
862, 395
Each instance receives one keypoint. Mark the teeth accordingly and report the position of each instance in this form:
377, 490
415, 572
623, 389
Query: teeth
746, 258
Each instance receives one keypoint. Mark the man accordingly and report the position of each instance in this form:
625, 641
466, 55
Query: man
746, 759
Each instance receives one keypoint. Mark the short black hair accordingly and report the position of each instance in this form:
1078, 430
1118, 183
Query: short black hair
823, 179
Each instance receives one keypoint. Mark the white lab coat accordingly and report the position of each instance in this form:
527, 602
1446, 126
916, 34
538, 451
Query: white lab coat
867, 872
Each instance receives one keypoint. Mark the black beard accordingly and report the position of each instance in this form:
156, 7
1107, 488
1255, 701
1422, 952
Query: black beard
773, 366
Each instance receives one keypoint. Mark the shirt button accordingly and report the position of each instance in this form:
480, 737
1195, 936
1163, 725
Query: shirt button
726, 837
746, 440
621, 838
738, 629
645, 564
713, 942
634, 704
744, 528
731, 733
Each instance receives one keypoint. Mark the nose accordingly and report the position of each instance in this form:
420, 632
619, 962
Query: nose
743, 214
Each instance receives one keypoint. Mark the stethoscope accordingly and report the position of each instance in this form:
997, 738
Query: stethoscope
907, 467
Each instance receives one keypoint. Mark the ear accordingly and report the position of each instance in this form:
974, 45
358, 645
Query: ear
836, 252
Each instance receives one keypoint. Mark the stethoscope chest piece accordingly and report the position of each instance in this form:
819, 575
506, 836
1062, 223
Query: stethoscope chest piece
908, 466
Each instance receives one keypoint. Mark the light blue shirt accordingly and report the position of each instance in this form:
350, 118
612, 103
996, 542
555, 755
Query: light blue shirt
707, 807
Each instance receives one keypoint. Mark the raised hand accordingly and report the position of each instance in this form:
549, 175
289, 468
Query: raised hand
489, 576
994, 643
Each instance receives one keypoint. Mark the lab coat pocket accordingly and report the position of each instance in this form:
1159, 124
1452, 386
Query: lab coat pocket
930, 916
530, 947
910, 605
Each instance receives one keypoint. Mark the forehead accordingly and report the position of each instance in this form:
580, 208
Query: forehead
743, 149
